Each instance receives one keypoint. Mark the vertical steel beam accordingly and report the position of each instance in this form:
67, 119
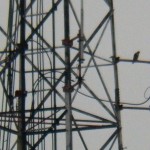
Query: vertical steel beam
117, 96
54, 78
82, 32
10, 78
67, 88
21, 145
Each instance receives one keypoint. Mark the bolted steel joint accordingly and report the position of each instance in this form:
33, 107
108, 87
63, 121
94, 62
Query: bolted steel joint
68, 88
67, 42
19, 93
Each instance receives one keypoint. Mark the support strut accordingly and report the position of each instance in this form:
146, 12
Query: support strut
21, 142
67, 78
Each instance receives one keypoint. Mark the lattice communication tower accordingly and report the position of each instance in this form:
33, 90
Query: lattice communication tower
59, 87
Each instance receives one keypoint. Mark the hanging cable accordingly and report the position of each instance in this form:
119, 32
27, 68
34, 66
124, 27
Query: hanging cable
114, 102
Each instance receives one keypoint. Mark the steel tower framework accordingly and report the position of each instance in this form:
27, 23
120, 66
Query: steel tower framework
55, 68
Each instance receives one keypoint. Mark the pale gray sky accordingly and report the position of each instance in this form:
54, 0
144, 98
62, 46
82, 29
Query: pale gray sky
133, 34
132, 24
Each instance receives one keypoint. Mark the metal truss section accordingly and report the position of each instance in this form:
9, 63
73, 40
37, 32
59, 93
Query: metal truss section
59, 76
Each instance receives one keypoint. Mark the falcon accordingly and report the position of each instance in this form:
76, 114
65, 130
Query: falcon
136, 56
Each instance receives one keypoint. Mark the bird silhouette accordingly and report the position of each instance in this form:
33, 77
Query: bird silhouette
136, 56
115, 59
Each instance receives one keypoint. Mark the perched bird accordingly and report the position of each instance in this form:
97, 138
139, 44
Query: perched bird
115, 59
136, 56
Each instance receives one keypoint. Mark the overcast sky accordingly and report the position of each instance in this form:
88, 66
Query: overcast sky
132, 25
133, 34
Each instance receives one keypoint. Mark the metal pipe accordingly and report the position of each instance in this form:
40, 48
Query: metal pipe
67, 87
54, 78
117, 96
82, 32
21, 142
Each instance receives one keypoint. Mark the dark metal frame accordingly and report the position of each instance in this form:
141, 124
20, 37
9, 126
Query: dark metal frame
35, 122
